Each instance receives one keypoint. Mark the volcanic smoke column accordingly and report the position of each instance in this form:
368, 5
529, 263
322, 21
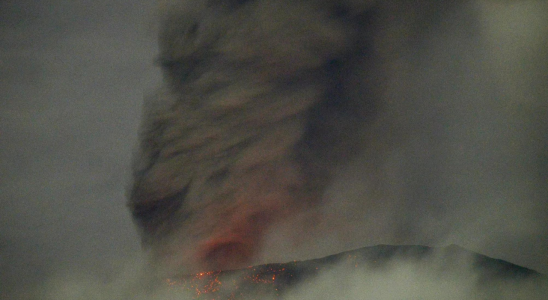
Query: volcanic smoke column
261, 101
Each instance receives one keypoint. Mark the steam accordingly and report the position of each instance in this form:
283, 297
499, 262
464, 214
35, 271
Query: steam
467, 166
406, 280
473, 173
399, 279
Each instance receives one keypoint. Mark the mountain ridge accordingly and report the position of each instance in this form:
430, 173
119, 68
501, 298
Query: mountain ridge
275, 279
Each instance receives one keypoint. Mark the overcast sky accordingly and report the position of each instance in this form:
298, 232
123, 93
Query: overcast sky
73, 75
72, 78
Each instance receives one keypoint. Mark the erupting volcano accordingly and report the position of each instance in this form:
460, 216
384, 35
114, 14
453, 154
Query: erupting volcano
274, 280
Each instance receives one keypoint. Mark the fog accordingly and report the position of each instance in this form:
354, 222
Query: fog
400, 279
466, 160
73, 77
471, 172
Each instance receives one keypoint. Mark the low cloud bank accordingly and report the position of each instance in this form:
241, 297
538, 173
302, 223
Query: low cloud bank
381, 272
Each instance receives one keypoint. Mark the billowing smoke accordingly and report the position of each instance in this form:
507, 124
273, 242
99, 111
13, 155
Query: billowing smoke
451, 150
331, 125
398, 278
464, 161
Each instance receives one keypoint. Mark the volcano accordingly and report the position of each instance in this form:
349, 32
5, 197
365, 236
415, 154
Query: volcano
273, 281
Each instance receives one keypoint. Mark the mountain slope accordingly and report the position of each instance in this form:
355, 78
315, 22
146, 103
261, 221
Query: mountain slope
274, 281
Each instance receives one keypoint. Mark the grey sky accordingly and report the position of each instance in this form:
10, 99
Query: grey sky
73, 75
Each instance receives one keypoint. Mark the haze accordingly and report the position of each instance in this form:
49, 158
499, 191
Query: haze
73, 76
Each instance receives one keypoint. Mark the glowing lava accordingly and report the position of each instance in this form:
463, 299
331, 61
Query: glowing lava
273, 280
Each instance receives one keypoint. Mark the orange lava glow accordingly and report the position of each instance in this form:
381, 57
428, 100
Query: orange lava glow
217, 285
249, 283
199, 284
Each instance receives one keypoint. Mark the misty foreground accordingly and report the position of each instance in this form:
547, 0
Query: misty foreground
373, 273
379, 272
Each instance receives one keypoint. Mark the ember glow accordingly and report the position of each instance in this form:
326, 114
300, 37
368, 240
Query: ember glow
261, 281
461, 159
382, 272
200, 284
280, 281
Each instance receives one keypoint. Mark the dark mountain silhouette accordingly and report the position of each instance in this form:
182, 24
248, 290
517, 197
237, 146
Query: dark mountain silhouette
273, 280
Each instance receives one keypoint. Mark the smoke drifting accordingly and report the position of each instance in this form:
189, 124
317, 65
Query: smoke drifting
465, 163
469, 169
382, 272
